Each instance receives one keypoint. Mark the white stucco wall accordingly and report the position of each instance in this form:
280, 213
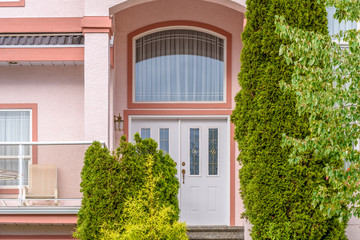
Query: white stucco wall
353, 229
97, 86
58, 91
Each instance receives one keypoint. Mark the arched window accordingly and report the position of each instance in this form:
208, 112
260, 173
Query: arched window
179, 65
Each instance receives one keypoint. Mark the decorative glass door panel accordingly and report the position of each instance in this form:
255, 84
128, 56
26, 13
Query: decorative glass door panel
204, 193
199, 147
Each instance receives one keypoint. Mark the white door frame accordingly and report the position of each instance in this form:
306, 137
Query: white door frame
196, 117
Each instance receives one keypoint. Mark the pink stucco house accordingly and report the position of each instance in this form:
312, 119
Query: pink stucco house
75, 71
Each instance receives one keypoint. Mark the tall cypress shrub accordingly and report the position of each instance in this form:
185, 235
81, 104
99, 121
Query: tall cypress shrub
133, 158
109, 180
277, 195
100, 184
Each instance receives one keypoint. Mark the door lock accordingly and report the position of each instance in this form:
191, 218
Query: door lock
183, 173
183, 163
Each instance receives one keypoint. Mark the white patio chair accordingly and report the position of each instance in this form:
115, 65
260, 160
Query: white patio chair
42, 183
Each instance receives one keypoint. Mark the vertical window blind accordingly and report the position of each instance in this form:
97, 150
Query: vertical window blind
14, 127
179, 65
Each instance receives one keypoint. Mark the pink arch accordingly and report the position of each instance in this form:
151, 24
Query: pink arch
237, 5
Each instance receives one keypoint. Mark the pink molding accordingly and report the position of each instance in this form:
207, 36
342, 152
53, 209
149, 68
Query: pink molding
112, 57
180, 112
48, 25
38, 219
132, 105
175, 112
97, 25
42, 54
34, 108
9, 191
234, 5
56, 25
20, 3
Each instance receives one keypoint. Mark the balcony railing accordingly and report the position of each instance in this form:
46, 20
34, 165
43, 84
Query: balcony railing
41, 177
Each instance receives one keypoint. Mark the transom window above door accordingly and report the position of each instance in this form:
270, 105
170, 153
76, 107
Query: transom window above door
179, 65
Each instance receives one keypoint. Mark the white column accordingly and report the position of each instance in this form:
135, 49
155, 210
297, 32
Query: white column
96, 86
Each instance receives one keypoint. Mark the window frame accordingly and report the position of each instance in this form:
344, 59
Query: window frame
33, 108
202, 27
12, 3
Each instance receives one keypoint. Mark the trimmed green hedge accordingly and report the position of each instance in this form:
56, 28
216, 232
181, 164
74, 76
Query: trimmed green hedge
109, 180
101, 202
145, 217
277, 196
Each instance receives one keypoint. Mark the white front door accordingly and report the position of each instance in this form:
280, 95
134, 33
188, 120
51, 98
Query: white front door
200, 149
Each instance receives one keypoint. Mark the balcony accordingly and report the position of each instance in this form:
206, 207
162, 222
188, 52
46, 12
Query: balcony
41, 177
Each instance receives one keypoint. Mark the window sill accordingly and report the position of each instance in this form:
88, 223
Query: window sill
215, 105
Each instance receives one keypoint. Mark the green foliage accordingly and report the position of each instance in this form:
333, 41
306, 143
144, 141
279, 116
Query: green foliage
99, 186
144, 218
133, 160
109, 180
277, 195
326, 82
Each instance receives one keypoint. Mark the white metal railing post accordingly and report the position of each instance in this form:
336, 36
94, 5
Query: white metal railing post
20, 173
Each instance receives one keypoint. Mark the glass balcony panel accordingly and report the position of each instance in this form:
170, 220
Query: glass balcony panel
31, 188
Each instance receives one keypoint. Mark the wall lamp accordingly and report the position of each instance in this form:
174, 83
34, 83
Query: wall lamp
119, 123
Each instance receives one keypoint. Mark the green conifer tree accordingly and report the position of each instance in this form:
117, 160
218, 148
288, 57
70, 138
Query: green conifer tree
101, 181
145, 217
108, 181
277, 195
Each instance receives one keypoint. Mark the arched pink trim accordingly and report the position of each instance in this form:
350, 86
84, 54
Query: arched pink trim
227, 35
237, 5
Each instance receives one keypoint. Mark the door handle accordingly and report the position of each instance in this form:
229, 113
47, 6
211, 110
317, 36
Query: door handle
183, 173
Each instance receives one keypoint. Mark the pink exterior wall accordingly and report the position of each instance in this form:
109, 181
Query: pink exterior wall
133, 18
166, 10
45, 8
101, 8
59, 93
